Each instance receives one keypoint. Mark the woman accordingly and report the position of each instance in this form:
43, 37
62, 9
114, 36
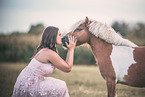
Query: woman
32, 81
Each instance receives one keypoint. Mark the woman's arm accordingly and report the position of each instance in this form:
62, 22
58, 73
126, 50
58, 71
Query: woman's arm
70, 58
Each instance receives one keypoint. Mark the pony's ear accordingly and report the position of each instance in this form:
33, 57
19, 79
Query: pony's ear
87, 21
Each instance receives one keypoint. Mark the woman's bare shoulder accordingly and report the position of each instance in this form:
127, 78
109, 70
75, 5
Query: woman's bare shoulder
46, 55
49, 52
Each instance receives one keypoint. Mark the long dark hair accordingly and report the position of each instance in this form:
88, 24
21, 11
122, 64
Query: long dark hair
48, 39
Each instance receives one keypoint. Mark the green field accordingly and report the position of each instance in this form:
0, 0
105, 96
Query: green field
82, 81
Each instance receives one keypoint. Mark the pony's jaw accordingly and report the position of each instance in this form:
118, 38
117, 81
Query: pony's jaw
81, 41
82, 38
78, 43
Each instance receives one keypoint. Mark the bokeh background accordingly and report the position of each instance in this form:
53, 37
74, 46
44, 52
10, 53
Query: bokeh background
22, 23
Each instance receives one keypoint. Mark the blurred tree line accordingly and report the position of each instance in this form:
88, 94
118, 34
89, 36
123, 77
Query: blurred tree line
135, 33
19, 47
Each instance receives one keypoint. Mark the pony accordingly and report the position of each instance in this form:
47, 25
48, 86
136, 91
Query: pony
119, 60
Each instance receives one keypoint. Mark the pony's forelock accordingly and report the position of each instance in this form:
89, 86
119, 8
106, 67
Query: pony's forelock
76, 25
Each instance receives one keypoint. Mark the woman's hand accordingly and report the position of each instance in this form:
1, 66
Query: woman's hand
72, 42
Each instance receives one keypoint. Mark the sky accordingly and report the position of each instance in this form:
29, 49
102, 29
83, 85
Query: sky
19, 15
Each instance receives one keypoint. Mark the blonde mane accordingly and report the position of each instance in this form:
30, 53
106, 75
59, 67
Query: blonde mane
106, 33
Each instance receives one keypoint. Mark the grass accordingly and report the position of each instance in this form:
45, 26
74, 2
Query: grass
82, 81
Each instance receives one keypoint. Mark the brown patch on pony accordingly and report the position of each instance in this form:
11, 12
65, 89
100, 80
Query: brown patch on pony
136, 72
102, 52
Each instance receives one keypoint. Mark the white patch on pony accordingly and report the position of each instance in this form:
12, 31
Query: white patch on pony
122, 59
105, 32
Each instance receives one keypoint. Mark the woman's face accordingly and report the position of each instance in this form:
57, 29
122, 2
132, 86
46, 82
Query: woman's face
58, 38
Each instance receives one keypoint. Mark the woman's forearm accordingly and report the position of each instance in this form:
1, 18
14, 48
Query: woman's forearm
70, 57
70, 53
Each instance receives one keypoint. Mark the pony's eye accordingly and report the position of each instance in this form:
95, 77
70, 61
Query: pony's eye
79, 29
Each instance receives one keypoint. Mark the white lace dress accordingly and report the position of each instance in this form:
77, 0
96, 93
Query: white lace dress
32, 82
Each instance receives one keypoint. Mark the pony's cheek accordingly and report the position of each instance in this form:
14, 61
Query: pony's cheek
76, 35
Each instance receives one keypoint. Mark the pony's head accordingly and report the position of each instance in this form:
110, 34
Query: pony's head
81, 32
83, 29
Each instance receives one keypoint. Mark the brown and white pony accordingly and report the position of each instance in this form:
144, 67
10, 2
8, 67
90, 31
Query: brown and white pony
119, 60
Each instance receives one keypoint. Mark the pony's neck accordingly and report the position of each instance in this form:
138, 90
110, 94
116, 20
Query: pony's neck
99, 47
